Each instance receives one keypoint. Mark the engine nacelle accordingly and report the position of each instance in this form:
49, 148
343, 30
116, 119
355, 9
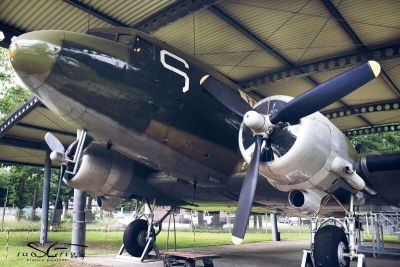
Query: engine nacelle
303, 152
102, 172
306, 201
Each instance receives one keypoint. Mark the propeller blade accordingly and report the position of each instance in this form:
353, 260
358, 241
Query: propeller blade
53, 143
62, 172
246, 197
225, 95
327, 93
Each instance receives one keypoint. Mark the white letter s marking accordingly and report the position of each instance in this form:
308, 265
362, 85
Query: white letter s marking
165, 64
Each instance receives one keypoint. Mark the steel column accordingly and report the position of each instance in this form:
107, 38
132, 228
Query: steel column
274, 227
78, 225
45, 199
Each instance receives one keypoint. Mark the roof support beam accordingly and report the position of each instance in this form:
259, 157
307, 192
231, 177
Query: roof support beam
45, 129
172, 13
222, 15
9, 32
356, 40
98, 14
394, 127
250, 35
364, 108
218, 12
378, 53
23, 143
343, 23
165, 16
18, 114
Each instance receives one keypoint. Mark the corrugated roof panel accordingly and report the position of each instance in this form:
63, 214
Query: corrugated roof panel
375, 22
375, 90
229, 48
179, 34
45, 118
42, 14
392, 69
262, 18
37, 135
129, 12
250, 63
330, 42
291, 87
21, 154
256, 63
299, 30
383, 117
348, 122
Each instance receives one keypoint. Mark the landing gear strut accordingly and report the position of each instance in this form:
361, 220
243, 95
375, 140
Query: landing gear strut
334, 244
140, 236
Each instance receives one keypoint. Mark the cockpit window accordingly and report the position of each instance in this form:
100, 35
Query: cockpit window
143, 48
106, 35
125, 39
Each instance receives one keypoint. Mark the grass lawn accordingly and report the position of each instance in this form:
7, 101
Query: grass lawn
109, 243
100, 241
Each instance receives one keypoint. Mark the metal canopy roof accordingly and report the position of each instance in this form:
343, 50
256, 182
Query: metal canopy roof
267, 47
22, 133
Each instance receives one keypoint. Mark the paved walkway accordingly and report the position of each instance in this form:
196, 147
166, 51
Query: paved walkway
270, 254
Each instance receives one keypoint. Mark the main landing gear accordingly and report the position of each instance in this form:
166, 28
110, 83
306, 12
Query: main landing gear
333, 241
140, 236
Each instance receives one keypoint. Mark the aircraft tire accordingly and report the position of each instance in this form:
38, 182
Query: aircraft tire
134, 238
330, 243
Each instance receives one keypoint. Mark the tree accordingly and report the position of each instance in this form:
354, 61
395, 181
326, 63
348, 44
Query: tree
21, 181
380, 142
11, 93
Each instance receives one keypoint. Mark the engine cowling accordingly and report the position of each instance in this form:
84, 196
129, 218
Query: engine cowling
303, 152
102, 172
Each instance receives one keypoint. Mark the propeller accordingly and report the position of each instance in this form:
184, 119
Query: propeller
225, 95
247, 193
263, 125
54, 144
59, 154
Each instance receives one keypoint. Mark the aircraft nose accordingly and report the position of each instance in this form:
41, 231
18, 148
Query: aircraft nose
33, 55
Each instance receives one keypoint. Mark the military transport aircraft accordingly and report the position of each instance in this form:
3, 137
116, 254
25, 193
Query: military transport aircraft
158, 124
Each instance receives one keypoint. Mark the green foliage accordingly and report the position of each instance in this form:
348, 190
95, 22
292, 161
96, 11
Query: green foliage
389, 141
21, 181
11, 94
127, 205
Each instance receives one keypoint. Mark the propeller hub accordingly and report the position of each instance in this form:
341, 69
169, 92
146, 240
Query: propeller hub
257, 122
57, 157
